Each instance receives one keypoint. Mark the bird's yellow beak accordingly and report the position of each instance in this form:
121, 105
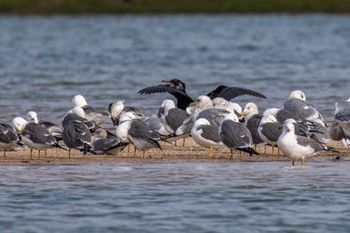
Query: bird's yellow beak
193, 104
243, 113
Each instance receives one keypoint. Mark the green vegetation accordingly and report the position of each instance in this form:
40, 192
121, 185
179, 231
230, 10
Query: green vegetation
171, 6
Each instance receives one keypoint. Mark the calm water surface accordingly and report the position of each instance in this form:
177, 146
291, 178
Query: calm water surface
176, 197
45, 61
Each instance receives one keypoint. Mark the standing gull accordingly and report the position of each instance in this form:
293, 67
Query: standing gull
137, 132
252, 120
341, 124
50, 126
76, 135
8, 137
269, 130
34, 136
206, 135
297, 147
235, 135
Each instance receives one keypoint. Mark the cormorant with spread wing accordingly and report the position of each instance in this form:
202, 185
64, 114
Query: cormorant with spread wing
177, 88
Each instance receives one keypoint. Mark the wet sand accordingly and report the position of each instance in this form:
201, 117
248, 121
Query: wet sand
191, 152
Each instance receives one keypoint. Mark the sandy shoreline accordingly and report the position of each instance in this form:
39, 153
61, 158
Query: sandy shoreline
191, 152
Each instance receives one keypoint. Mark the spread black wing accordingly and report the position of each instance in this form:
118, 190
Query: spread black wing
183, 100
229, 93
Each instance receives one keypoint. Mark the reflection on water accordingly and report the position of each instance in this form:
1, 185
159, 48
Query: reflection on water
173, 197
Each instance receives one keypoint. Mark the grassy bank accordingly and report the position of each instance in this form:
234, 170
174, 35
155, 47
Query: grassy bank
171, 6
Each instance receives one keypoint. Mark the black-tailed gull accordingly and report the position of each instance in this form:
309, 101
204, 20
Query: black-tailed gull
117, 108
297, 147
137, 132
54, 129
236, 135
34, 135
296, 103
205, 134
76, 135
8, 137
269, 130
90, 113
252, 120
105, 143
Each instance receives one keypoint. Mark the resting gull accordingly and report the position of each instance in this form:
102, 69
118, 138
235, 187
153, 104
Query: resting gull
105, 143
137, 132
177, 88
78, 114
34, 136
76, 135
50, 126
8, 137
206, 135
269, 130
236, 135
117, 108
297, 147
252, 120
90, 113
341, 124
296, 103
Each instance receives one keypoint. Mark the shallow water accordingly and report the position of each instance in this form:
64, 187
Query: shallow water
45, 61
176, 197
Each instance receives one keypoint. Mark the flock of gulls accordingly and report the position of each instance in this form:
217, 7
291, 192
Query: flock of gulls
213, 120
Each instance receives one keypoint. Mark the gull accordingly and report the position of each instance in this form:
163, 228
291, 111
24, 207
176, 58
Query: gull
105, 143
206, 135
117, 108
8, 137
236, 135
137, 132
50, 126
297, 147
90, 113
34, 135
296, 103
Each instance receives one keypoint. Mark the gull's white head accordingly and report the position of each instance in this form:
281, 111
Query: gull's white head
116, 108
268, 119
79, 100
202, 102
288, 127
250, 108
168, 104
271, 111
232, 117
78, 111
32, 117
19, 123
200, 121
297, 94
126, 116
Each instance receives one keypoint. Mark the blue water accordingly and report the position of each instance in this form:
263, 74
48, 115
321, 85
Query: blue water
176, 197
45, 61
